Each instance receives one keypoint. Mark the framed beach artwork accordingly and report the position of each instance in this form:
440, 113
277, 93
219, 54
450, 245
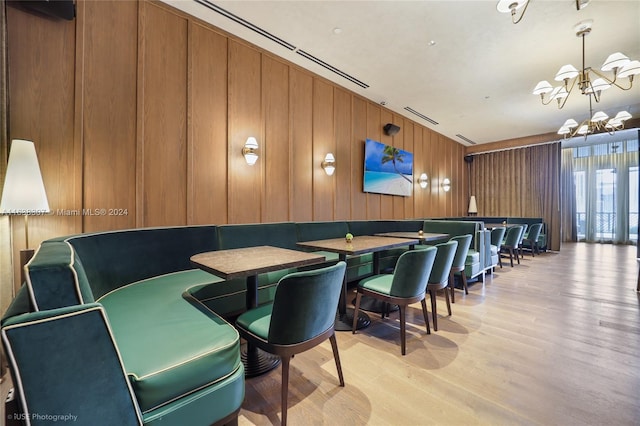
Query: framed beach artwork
387, 170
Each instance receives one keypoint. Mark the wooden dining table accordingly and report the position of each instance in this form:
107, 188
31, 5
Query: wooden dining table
424, 237
248, 263
358, 245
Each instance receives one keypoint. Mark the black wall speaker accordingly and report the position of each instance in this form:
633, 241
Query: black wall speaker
468, 158
391, 129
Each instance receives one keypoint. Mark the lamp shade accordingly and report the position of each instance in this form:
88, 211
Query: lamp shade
632, 68
473, 206
615, 60
599, 116
566, 72
622, 116
249, 151
542, 87
329, 164
23, 191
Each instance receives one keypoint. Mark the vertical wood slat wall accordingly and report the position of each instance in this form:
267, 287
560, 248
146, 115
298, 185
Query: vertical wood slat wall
136, 106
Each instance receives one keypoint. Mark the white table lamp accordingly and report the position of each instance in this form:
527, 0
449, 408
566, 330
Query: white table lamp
23, 192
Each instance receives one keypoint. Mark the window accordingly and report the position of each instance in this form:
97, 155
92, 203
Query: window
633, 202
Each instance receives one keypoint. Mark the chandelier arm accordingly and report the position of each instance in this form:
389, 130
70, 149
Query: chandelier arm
513, 13
614, 81
573, 84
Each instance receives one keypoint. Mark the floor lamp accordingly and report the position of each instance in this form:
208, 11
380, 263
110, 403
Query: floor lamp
23, 193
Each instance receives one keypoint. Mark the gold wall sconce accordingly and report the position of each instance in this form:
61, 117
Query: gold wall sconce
423, 180
249, 151
329, 164
446, 185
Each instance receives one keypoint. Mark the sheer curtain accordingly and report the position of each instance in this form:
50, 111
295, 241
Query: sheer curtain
606, 192
569, 230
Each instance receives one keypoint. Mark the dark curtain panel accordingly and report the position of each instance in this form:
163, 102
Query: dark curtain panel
6, 271
520, 182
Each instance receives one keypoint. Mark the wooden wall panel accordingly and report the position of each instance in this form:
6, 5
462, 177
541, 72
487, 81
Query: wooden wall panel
323, 143
358, 197
343, 136
275, 98
163, 78
407, 202
386, 201
301, 147
419, 167
207, 154
108, 105
374, 131
245, 182
41, 56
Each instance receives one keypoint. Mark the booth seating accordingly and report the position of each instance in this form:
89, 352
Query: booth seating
168, 321
513, 220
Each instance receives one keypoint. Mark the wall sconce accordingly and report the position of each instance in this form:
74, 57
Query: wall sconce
423, 180
473, 206
249, 151
329, 164
446, 185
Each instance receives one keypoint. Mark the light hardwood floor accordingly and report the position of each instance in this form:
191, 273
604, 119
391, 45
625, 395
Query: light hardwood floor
553, 341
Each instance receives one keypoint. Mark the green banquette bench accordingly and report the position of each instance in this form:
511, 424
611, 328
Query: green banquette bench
156, 327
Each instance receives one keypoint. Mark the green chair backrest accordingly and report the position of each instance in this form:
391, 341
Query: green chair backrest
305, 304
522, 232
464, 242
411, 273
534, 232
497, 235
444, 260
513, 236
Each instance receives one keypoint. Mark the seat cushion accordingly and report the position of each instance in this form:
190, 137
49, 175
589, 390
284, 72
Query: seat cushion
257, 321
170, 346
379, 283
472, 257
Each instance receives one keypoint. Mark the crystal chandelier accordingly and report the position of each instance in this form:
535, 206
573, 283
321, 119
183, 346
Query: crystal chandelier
591, 83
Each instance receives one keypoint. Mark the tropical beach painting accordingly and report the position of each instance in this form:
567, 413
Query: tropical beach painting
387, 170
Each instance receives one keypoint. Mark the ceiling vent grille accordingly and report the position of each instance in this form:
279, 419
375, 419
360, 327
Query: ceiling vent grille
331, 68
246, 24
467, 140
424, 117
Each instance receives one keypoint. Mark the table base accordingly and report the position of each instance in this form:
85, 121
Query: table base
256, 361
344, 322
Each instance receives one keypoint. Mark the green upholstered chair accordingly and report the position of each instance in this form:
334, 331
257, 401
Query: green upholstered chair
522, 234
511, 242
301, 316
464, 242
405, 286
497, 235
63, 382
439, 277
531, 238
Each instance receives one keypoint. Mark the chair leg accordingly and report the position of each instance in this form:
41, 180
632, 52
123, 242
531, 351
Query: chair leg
511, 256
426, 315
403, 332
434, 312
285, 387
452, 286
355, 313
336, 356
517, 256
499, 259
446, 297
463, 277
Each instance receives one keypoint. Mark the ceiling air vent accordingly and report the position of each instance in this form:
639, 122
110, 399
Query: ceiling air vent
331, 68
424, 117
246, 24
467, 140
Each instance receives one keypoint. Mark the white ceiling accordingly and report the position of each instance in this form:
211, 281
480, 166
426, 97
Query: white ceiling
475, 81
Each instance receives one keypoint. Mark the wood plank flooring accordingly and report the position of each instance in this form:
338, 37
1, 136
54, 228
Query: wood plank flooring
552, 341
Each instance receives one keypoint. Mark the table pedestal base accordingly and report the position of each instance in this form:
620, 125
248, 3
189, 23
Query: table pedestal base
344, 322
257, 361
